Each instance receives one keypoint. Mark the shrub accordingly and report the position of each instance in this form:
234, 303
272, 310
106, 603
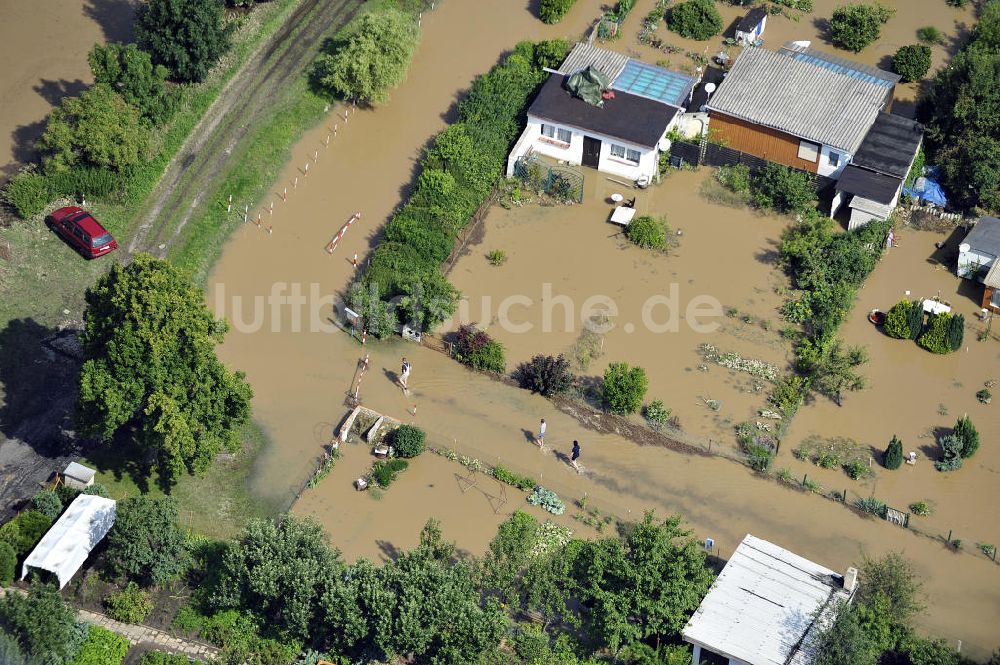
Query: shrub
935, 336
130, 71
130, 605
916, 319
146, 542
48, 503
27, 192
624, 388
85, 183
783, 189
31, 526
384, 473
163, 658
921, 508
10, 650
956, 331
477, 349
897, 320
44, 626
552, 11
827, 460
893, 457
372, 60
186, 36
97, 489
951, 453
930, 35
967, 432
656, 414
408, 441
759, 457
735, 178
497, 257
912, 62
188, 620
854, 27
546, 375
525, 483
870, 504
647, 232
788, 394
695, 19
547, 500
984, 396
857, 470
101, 647
8, 563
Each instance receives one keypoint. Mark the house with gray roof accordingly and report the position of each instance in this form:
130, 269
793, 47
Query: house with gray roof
979, 259
604, 110
799, 106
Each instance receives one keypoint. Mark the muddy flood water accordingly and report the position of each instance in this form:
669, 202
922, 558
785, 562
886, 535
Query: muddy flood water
44, 45
301, 378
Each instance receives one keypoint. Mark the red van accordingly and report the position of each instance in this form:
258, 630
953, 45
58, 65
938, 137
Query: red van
82, 231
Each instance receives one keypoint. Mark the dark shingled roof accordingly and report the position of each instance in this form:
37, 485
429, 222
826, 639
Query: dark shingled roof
628, 117
985, 235
751, 20
890, 145
877, 187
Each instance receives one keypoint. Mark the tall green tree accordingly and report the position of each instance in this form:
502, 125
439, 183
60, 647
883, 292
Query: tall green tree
833, 367
281, 570
44, 626
186, 36
97, 129
845, 641
854, 27
967, 432
146, 543
624, 388
130, 72
960, 113
893, 578
372, 60
643, 587
893, 457
149, 363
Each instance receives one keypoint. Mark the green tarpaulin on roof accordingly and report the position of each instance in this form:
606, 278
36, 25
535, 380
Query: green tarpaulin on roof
588, 85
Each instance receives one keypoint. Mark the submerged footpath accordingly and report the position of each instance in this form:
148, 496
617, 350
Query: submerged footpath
301, 367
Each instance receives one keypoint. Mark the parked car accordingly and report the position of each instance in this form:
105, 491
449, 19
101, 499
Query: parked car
82, 231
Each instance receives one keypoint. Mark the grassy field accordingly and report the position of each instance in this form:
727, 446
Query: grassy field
217, 504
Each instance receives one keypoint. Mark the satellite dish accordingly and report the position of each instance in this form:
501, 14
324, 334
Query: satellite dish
710, 88
664, 145
964, 247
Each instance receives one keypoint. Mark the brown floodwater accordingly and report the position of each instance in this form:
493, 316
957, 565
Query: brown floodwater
301, 379
44, 45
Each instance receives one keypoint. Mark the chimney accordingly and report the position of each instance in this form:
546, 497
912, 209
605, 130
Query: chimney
850, 580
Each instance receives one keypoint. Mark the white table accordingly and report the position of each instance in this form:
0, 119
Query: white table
622, 215
935, 307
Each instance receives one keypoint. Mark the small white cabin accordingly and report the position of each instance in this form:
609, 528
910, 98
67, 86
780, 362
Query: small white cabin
751, 27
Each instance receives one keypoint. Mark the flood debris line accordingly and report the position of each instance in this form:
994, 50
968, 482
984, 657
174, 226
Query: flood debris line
734, 361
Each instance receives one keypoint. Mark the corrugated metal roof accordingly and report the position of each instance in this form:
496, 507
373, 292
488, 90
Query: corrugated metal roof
585, 55
841, 65
890, 145
762, 608
992, 278
799, 97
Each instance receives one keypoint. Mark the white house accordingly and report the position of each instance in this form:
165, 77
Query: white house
978, 259
751, 27
767, 607
871, 184
623, 134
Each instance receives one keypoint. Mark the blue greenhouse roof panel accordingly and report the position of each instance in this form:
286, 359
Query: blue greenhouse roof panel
656, 83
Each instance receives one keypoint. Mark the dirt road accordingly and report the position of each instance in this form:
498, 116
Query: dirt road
246, 100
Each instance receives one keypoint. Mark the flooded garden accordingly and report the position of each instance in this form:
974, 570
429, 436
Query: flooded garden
718, 284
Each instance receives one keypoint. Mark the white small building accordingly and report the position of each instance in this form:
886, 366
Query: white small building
623, 134
767, 607
78, 476
980, 249
751, 27
65, 546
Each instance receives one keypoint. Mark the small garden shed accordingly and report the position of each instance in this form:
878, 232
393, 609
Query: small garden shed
751, 26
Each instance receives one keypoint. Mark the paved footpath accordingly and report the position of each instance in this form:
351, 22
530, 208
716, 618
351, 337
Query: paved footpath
139, 634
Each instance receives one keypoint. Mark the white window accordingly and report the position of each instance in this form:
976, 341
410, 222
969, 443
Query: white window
834, 159
808, 151
621, 152
557, 133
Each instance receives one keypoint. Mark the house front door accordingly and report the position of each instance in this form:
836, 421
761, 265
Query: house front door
591, 152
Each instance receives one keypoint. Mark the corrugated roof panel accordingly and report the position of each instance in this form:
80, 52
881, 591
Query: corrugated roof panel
586, 55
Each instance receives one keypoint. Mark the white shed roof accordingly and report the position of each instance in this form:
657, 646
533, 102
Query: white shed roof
64, 548
80, 472
763, 607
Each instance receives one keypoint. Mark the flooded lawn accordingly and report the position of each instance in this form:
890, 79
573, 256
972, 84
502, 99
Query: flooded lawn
44, 48
568, 259
301, 378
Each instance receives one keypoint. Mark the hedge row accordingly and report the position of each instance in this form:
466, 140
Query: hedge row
457, 175
30, 191
552, 11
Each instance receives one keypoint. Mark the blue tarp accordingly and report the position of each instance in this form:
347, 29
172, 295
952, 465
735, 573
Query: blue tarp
928, 189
